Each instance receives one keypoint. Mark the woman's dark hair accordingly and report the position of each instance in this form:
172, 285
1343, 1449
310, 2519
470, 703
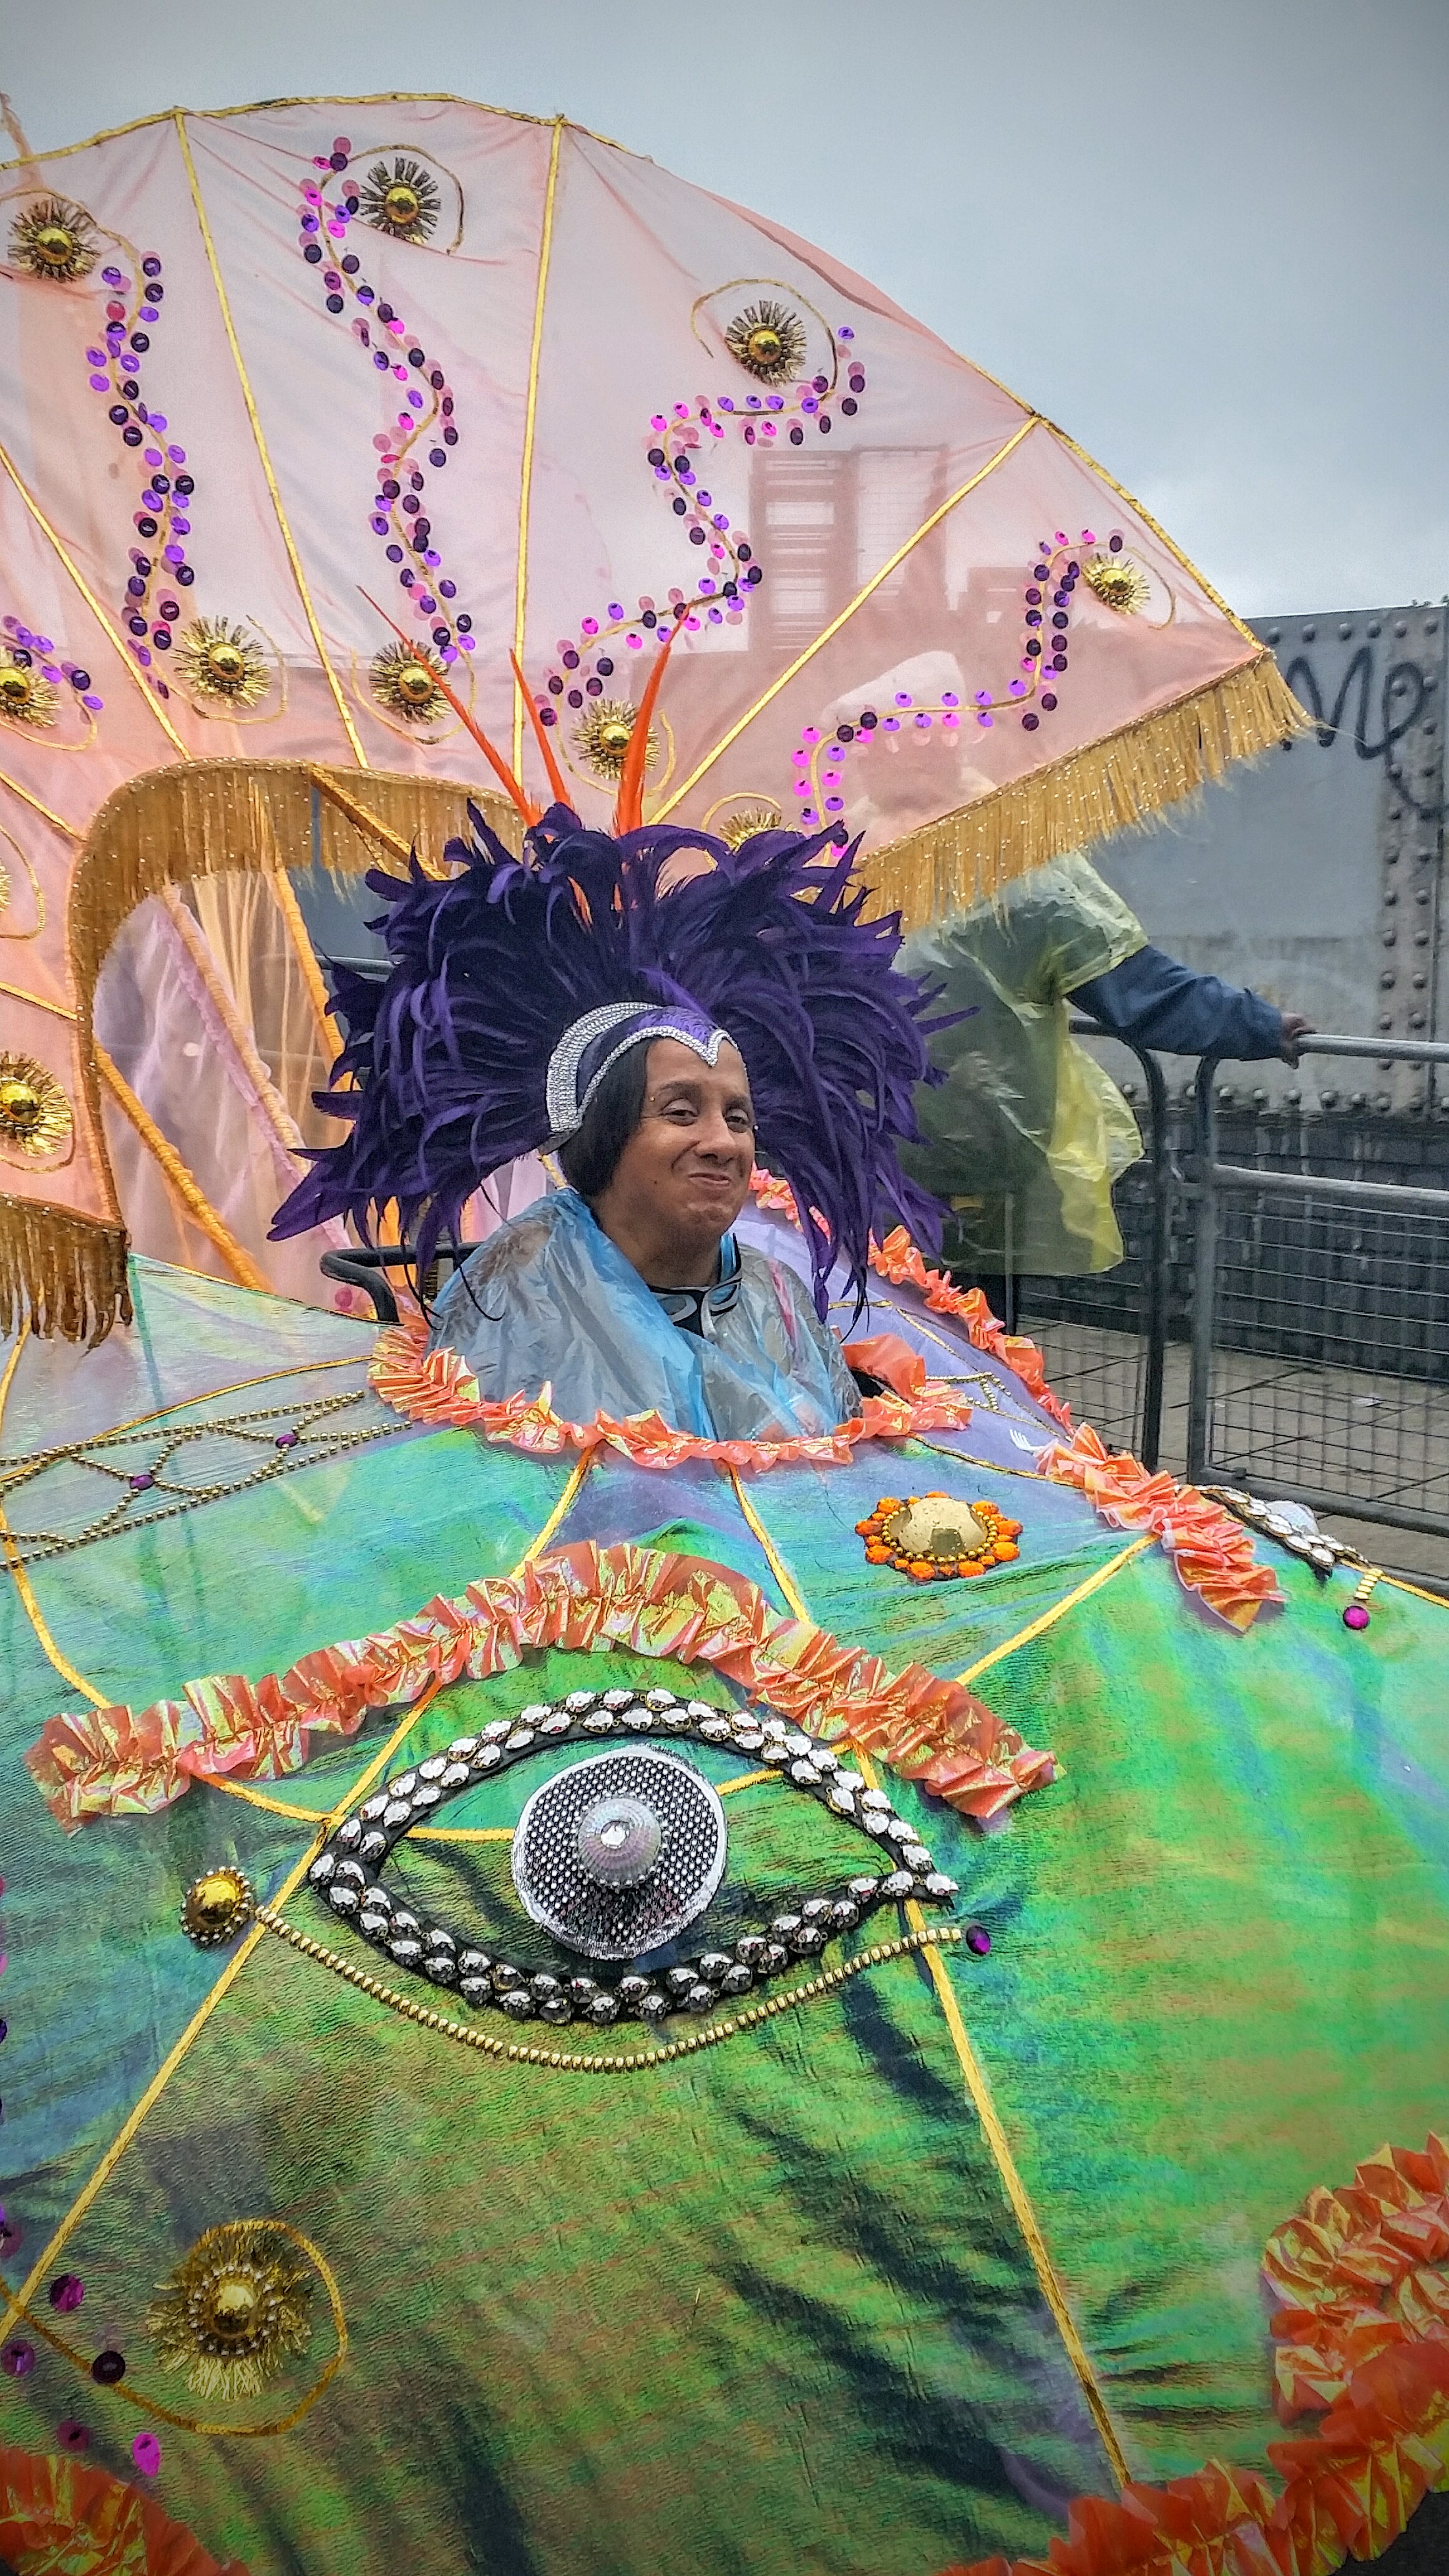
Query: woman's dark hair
591, 1157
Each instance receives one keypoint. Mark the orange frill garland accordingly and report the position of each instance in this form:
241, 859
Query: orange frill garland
1212, 1553
58, 2514
1364, 2339
438, 1387
116, 1761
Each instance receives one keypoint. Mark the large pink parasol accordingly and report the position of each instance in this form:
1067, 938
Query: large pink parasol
533, 397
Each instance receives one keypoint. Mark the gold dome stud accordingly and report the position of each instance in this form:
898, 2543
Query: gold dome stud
216, 1906
1120, 585
401, 197
233, 2311
768, 341
26, 696
54, 239
405, 680
35, 1115
603, 734
221, 662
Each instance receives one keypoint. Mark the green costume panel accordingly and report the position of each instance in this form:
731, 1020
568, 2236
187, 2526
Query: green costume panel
878, 2283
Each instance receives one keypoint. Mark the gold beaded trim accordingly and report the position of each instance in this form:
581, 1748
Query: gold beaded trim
594, 2061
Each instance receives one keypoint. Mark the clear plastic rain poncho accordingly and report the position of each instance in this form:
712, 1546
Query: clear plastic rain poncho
1027, 1134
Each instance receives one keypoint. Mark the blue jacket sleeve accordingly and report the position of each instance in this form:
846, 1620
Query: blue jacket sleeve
1153, 999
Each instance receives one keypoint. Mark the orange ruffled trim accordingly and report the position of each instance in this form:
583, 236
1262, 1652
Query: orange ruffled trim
1365, 2337
56, 2513
1212, 1553
438, 1387
114, 1761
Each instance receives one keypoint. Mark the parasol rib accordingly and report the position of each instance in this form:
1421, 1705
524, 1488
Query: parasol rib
93, 604
263, 457
530, 418
1033, 421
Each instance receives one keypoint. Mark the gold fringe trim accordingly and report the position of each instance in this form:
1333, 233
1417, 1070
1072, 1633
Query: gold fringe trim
178, 1179
60, 1272
205, 818
1110, 786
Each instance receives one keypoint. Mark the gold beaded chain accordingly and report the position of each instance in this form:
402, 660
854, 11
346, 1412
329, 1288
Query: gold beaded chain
594, 2061
302, 1445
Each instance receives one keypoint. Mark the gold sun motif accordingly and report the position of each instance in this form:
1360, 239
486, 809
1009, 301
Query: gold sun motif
54, 239
222, 662
400, 198
1119, 585
25, 697
35, 1119
232, 2312
216, 1906
768, 340
603, 734
745, 822
405, 677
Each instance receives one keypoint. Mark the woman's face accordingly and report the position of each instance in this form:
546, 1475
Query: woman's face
685, 1171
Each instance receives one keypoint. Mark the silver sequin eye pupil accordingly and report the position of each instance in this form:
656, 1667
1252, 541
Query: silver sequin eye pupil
616, 1855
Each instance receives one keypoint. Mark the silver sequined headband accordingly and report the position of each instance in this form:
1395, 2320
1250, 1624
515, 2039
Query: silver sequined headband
567, 1107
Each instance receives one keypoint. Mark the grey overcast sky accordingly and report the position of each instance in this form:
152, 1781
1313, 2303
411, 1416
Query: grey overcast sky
1207, 236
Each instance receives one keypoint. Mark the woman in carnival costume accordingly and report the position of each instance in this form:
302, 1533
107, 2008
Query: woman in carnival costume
574, 2047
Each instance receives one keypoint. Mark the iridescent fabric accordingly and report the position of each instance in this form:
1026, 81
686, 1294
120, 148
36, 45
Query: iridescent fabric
551, 1301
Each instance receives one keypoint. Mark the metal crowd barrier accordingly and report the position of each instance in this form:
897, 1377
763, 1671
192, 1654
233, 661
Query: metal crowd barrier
1320, 1322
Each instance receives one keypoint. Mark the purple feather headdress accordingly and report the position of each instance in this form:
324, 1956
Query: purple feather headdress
447, 1054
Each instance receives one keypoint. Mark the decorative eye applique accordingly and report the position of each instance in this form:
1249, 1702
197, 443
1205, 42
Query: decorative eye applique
932, 1537
615, 1857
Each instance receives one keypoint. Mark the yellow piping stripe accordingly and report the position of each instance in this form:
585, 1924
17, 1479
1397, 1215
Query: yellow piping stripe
38, 1001
183, 1181
29, 1604
845, 616
36, 807
360, 816
975, 2078
560, 1512
157, 2086
295, 560
306, 955
367, 98
525, 497
978, 2088
97, 612
1049, 1618
776, 1562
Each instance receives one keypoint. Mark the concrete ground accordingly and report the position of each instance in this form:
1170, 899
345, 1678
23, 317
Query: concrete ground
1341, 1431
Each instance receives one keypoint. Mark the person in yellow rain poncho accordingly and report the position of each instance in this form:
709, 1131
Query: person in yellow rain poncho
1028, 1134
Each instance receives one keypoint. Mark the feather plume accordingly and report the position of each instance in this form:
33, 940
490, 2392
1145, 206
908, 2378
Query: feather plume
446, 1054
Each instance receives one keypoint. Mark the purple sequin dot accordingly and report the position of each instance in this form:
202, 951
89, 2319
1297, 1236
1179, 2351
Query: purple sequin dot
141, 1484
66, 2293
17, 2357
108, 2367
287, 1439
978, 1939
1355, 1616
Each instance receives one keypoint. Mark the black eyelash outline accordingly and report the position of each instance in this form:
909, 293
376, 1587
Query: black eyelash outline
434, 1954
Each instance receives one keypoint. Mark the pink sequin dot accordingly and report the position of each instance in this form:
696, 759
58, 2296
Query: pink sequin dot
146, 2452
1355, 1616
66, 2293
72, 2436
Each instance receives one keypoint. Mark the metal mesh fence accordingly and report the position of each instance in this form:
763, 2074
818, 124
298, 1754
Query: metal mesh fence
1322, 1321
